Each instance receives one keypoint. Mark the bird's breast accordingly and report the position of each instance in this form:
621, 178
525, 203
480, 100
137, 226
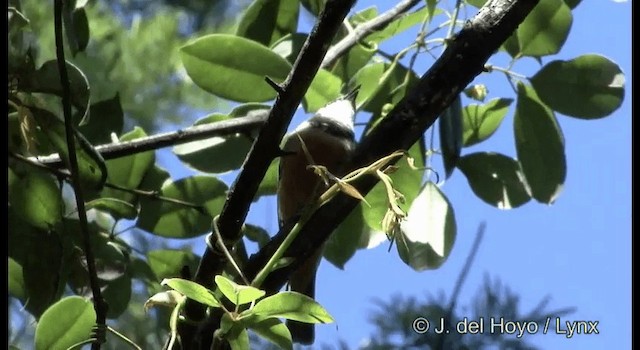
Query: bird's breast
298, 185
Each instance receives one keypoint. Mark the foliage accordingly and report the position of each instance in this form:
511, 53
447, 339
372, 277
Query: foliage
146, 72
400, 321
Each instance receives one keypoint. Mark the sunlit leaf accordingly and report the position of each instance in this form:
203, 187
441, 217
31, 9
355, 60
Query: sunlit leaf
429, 230
481, 121
236, 293
217, 154
274, 331
35, 197
233, 67
405, 180
324, 88
16, 281
292, 306
65, 323
192, 290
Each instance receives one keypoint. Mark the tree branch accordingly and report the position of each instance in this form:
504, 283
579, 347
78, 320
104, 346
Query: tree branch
364, 29
263, 151
194, 133
460, 63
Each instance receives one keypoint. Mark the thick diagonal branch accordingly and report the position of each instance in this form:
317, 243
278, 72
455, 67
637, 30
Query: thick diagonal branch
264, 150
461, 62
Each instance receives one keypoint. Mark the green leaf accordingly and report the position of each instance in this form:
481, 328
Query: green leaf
128, 171
405, 180
363, 15
355, 59
543, 31
586, 87
382, 84
324, 88
76, 27
153, 180
274, 331
429, 230
192, 290
16, 19
431, 8
177, 220
289, 46
16, 281
238, 294
269, 184
35, 197
118, 207
345, 240
481, 121
141, 270
216, 154
65, 323
256, 234
496, 179
166, 263
401, 24
245, 110
41, 256
47, 80
105, 117
117, 294
266, 21
91, 165
539, 145
111, 255
238, 338
292, 306
450, 127
233, 67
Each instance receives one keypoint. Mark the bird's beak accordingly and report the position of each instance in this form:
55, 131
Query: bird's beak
351, 95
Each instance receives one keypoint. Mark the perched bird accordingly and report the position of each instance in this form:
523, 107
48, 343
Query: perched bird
329, 139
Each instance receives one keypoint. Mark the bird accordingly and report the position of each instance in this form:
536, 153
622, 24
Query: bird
329, 138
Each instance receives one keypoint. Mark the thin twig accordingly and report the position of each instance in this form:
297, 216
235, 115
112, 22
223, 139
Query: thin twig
154, 195
461, 278
226, 251
194, 133
364, 29
64, 174
99, 303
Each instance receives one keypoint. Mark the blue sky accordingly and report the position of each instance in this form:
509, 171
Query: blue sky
577, 250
